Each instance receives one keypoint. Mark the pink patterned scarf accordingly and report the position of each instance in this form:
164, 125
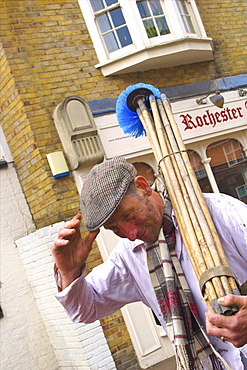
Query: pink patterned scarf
193, 349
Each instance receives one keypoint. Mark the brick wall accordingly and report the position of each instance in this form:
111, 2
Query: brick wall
31, 135
226, 22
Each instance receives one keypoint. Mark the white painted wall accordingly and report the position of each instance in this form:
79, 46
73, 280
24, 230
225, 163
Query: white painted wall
75, 346
35, 332
24, 340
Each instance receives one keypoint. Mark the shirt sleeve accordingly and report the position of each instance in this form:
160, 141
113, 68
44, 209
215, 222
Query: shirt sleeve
230, 218
104, 290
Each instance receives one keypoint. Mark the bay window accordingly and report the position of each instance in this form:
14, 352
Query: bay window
138, 35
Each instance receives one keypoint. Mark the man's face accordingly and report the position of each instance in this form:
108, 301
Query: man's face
138, 217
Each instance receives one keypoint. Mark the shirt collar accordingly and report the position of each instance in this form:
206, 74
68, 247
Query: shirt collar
137, 243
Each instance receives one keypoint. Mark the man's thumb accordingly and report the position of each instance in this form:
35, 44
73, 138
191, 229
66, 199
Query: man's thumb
92, 235
230, 300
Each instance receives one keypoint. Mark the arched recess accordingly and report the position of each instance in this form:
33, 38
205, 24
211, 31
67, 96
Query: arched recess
200, 171
229, 167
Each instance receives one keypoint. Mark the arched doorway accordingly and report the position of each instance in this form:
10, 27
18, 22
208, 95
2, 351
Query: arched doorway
229, 166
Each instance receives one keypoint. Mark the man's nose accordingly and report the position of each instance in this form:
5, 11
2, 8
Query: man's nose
130, 231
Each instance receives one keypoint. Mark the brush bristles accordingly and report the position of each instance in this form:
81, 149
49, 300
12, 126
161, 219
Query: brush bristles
127, 119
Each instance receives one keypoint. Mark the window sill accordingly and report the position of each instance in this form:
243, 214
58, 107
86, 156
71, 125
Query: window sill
190, 49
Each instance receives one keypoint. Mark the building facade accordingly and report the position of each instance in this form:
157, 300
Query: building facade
63, 66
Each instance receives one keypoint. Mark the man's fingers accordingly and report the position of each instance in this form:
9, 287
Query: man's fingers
69, 227
77, 217
232, 300
73, 223
61, 243
66, 233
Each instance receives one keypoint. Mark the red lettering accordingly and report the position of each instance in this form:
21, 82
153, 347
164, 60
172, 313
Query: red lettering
199, 121
211, 118
205, 120
217, 116
223, 115
239, 111
229, 113
234, 112
187, 120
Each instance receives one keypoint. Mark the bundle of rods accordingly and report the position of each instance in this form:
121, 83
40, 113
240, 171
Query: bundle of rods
194, 220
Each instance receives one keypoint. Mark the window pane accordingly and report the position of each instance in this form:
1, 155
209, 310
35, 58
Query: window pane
143, 9
124, 36
162, 25
111, 42
182, 6
185, 16
150, 28
104, 23
156, 7
97, 5
188, 25
110, 2
117, 17
153, 18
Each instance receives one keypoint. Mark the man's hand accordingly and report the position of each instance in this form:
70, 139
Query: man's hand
229, 328
70, 251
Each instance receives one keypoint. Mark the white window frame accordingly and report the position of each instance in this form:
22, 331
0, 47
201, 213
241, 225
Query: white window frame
241, 191
176, 48
5, 153
230, 151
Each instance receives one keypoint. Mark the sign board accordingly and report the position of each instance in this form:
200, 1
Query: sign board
115, 142
195, 124
205, 121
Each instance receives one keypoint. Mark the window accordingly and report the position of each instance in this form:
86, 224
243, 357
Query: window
130, 36
228, 164
185, 16
233, 152
153, 18
111, 23
242, 191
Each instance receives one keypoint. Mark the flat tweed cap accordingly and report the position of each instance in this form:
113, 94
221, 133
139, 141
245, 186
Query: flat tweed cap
103, 190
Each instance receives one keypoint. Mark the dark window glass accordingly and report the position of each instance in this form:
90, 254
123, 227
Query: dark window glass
153, 18
124, 36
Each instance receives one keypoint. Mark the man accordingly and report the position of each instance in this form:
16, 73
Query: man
115, 198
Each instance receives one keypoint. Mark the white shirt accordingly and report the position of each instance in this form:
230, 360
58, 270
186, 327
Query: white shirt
124, 277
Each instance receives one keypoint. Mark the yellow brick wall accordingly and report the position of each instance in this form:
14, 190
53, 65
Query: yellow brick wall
47, 55
226, 22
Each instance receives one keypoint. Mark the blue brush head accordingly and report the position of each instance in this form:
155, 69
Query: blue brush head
127, 117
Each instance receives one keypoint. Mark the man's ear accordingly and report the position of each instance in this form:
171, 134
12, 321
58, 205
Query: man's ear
142, 184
